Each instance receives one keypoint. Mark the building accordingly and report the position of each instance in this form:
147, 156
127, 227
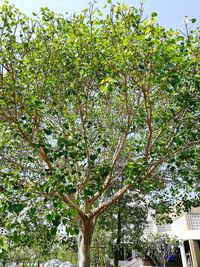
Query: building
186, 228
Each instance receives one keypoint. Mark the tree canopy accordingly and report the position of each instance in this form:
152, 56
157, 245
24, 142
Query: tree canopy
89, 99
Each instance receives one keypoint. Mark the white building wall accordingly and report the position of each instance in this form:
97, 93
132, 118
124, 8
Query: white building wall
180, 224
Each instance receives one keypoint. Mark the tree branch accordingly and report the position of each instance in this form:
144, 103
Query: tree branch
109, 202
65, 198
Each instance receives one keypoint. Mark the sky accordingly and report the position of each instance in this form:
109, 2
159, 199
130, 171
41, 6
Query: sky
171, 13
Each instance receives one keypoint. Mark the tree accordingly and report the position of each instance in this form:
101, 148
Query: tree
28, 239
122, 225
3, 247
87, 99
31, 237
159, 247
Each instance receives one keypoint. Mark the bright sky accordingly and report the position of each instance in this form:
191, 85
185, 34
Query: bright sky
171, 13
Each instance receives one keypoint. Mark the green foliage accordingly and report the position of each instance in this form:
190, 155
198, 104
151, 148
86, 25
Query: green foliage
87, 100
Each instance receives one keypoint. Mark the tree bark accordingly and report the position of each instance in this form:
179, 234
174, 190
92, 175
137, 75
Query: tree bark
84, 241
117, 252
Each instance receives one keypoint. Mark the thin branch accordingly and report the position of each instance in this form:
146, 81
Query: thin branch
149, 118
168, 156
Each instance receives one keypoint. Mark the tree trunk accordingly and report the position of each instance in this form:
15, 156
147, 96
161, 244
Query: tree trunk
117, 252
84, 241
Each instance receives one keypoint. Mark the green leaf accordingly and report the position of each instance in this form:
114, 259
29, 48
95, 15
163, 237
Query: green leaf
56, 221
50, 217
93, 157
48, 131
1, 242
99, 12
66, 125
125, 41
154, 14
16, 238
17, 208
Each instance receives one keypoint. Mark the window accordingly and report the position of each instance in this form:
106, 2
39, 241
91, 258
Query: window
164, 228
194, 220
